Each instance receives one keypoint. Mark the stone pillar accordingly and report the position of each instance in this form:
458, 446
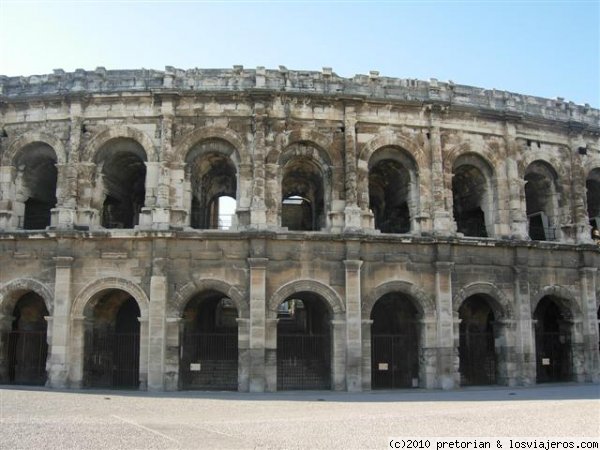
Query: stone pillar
258, 310
243, 354
154, 216
79, 326
173, 327
448, 377
58, 363
504, 339
157, 332
353, 326
366, 354
244, 213
180, 199
271, 355
255, 182
64, 215
428, 357
352, 212
587, 279
144, 341
581, 221
525, 333
443, 220
517, 215
7, 195
90, 192
338, 354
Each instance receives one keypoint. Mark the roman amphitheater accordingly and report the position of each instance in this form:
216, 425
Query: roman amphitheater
262, 230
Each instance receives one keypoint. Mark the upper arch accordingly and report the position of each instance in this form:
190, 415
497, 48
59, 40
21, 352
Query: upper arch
11, 292
331, 297
198, 135
94, 288
189, 290
424, 302
566, 300
499, 302
121, 131
31, 137
395, 139
322, 143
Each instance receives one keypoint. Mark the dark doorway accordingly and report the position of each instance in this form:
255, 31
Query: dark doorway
394, 343
303, 343
209, 343
552, 342
112, 343
476, 349
27, 342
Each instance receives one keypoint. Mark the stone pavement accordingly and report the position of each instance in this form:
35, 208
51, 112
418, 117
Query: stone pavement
40, 418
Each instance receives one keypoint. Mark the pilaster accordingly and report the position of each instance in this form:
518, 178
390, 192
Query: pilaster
58, 363
353, 326
157, 330
448, 376
587, 279
525, 337
257, 337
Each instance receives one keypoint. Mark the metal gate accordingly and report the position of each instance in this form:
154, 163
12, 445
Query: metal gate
303, 362
394, 361
553, 357
26, 357
112, 360
477, 356
209, 361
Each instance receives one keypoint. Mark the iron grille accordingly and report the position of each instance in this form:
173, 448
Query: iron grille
395, 361
112, 359
477, 358
553, 357
209, 361
27, 353
303, 362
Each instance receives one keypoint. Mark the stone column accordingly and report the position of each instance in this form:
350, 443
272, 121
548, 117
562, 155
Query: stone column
338, 354
64, 214
448, 377
587, 279
353, 326
525, 336
258, 310
180, 199
90, 193
243, 354
78, 329
144, 338
58, 363
428, 357
7, 195
581, 221
443, 221
515, 186
157, 331
271, 355
366, 354
352, 212
255, 183
173, 327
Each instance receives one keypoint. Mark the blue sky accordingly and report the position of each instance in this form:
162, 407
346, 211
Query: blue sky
548, 49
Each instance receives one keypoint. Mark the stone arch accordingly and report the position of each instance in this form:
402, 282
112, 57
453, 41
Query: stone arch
424, 302
122, 131
11, 292
331, 297
395, 139
188, 141
551, 161
322, 143
95, 287
32, 137
499, 303
591, 164
186, 292
483, 155
566, 300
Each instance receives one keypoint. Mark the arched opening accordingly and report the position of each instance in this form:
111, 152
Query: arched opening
541, 201
112, 342
552, 342
213, 181
35, 186
302, 188
476, 351
123, 168
392, 190
471, 195
395, 342
27, 347
593, 202
209, 343
303, 343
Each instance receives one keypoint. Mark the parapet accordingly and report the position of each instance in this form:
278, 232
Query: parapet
371, 87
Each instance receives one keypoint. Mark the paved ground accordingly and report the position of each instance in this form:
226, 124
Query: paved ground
39, 418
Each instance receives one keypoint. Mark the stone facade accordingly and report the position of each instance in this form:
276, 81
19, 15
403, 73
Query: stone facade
451, 207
